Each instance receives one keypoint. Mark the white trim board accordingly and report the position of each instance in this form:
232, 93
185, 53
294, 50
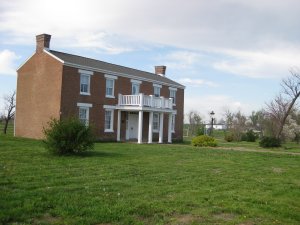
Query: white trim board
79, 104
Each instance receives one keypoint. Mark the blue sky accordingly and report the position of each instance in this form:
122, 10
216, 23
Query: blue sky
230, 54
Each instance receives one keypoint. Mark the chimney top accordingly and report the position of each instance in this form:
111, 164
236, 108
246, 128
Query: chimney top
160, 70
42, 42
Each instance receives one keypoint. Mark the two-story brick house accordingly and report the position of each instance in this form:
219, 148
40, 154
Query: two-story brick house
120, 102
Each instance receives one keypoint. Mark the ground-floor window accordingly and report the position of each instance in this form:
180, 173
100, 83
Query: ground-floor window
84, 115
108, 125
173, 123
155, 122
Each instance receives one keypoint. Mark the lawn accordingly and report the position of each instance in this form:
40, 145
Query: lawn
146, 184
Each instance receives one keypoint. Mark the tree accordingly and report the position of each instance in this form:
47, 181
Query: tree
195, 122
9, 109
283, 104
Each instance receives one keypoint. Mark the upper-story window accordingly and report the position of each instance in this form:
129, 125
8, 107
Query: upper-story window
135, 87
173, 94
110, 86
85, 82
156, 90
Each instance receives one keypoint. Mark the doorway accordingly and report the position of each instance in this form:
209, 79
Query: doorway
132, 125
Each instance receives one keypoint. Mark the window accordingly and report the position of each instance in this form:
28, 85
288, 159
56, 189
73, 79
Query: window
173, 124
85, 81
155, 122
173, 96
109, 118
135, 89
84, 110
84, 84
156, 91
110, 86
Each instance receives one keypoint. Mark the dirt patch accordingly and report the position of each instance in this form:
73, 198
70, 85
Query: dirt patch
184, 219
224, 216
277, 170
48, 219
247, 223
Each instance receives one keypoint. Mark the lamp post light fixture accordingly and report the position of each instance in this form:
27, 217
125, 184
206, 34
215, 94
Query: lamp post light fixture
212, 113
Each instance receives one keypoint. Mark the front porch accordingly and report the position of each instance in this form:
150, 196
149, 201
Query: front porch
136, 107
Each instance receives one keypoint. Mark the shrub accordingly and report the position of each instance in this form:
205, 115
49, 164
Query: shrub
204, 141
269, 142
68, 136
249, 136
229, 137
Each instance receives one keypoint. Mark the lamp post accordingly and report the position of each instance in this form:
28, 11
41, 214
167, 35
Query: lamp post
212, 122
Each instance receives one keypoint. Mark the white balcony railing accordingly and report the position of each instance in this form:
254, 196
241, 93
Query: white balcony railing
145, 101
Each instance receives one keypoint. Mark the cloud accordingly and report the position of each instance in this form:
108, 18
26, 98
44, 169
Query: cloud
197, 82
180, 59
7, 62
247, 30
273, 63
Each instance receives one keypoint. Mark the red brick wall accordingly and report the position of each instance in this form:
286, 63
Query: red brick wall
71, 96
38, 95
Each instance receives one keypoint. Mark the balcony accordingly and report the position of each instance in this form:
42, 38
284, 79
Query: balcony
142, 100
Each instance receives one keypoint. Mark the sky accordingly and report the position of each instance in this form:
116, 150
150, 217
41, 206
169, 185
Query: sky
230, 54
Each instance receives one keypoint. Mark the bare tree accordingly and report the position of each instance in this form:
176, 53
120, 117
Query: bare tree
229, 116
195, 122
9, 108
283, 104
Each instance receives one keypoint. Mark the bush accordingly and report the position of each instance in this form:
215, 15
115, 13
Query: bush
229, 137
204, 141
68, 136
269, 142
249, 136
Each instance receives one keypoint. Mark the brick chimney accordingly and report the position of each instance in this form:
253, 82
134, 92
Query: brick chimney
160, 70
42, 41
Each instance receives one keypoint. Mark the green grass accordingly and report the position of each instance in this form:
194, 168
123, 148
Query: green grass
146, 184
10, 128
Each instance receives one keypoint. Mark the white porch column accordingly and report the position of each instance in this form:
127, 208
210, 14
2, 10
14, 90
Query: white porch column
140, 130
150, 127
161, 126
119, 126
170, 128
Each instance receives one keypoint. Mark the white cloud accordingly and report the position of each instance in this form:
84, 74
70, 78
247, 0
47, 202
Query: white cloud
7, 62
273, 63
197, 82
248, 30
180, 59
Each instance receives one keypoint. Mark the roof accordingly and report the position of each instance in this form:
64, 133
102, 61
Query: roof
75, 60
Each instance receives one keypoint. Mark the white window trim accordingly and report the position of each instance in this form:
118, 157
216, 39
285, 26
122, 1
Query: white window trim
135, 81
172, 89
157, 85
110, 76
113, 88
109, 107
79, 104
111, 121
87, 72
156, 130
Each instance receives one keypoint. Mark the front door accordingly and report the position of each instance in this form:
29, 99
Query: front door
132, 125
